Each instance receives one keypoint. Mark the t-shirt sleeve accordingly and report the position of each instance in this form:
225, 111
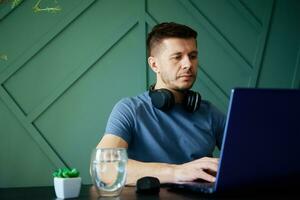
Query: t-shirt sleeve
121, 120
219, 121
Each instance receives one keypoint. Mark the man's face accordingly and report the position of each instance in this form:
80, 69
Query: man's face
176, 63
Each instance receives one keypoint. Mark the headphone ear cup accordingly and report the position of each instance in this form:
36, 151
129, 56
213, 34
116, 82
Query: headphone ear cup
162, 99
192, 101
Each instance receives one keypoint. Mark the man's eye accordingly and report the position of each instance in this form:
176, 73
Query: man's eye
193, 57
177, 57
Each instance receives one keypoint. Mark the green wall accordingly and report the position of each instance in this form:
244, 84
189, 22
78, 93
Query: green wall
65, 71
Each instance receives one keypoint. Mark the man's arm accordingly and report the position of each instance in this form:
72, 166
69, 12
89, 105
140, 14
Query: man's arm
166, 173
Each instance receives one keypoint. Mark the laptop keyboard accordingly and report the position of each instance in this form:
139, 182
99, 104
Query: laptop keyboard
203, 187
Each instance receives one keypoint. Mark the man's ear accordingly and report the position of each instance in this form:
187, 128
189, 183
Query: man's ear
152, 61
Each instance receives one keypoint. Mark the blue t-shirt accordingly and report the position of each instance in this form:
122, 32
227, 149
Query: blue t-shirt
175, 136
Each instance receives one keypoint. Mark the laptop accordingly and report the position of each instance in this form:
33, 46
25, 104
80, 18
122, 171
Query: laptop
261, 143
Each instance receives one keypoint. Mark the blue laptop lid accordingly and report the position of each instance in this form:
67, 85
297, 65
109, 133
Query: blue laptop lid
261, 145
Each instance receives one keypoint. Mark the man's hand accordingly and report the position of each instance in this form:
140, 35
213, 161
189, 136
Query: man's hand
202, 168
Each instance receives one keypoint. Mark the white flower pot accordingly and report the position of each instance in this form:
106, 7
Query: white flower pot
67, 187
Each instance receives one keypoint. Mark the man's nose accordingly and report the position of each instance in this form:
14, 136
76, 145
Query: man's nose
186, 62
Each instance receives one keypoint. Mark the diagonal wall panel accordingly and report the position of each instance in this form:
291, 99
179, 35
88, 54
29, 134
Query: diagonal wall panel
41, 28
212, 10
256, 8
246, 13
68, 123
23, 162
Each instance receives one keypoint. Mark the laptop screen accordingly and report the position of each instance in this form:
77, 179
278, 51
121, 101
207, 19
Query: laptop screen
260, 145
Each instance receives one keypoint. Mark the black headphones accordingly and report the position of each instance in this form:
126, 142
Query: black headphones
163, 99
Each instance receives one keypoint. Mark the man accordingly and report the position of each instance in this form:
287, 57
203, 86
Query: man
168, 133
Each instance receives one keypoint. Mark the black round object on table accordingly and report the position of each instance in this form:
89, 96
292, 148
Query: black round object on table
148, 185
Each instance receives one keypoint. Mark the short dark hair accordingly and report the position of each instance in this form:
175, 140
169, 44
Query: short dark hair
168, 30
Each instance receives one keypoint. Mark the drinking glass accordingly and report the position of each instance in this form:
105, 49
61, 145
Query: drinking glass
108, 170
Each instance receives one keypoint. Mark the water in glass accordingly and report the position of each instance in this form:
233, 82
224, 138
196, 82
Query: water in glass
108, 170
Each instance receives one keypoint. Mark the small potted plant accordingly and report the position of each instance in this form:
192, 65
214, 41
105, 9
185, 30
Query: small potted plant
67, 183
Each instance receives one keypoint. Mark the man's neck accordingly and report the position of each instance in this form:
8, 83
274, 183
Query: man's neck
177, 94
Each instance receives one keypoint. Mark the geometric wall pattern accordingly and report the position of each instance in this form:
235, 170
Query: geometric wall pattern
65, 71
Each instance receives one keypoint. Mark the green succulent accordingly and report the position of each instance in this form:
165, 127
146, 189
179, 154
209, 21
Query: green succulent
66, 173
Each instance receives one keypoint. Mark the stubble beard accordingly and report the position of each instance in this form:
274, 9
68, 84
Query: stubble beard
172, 84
